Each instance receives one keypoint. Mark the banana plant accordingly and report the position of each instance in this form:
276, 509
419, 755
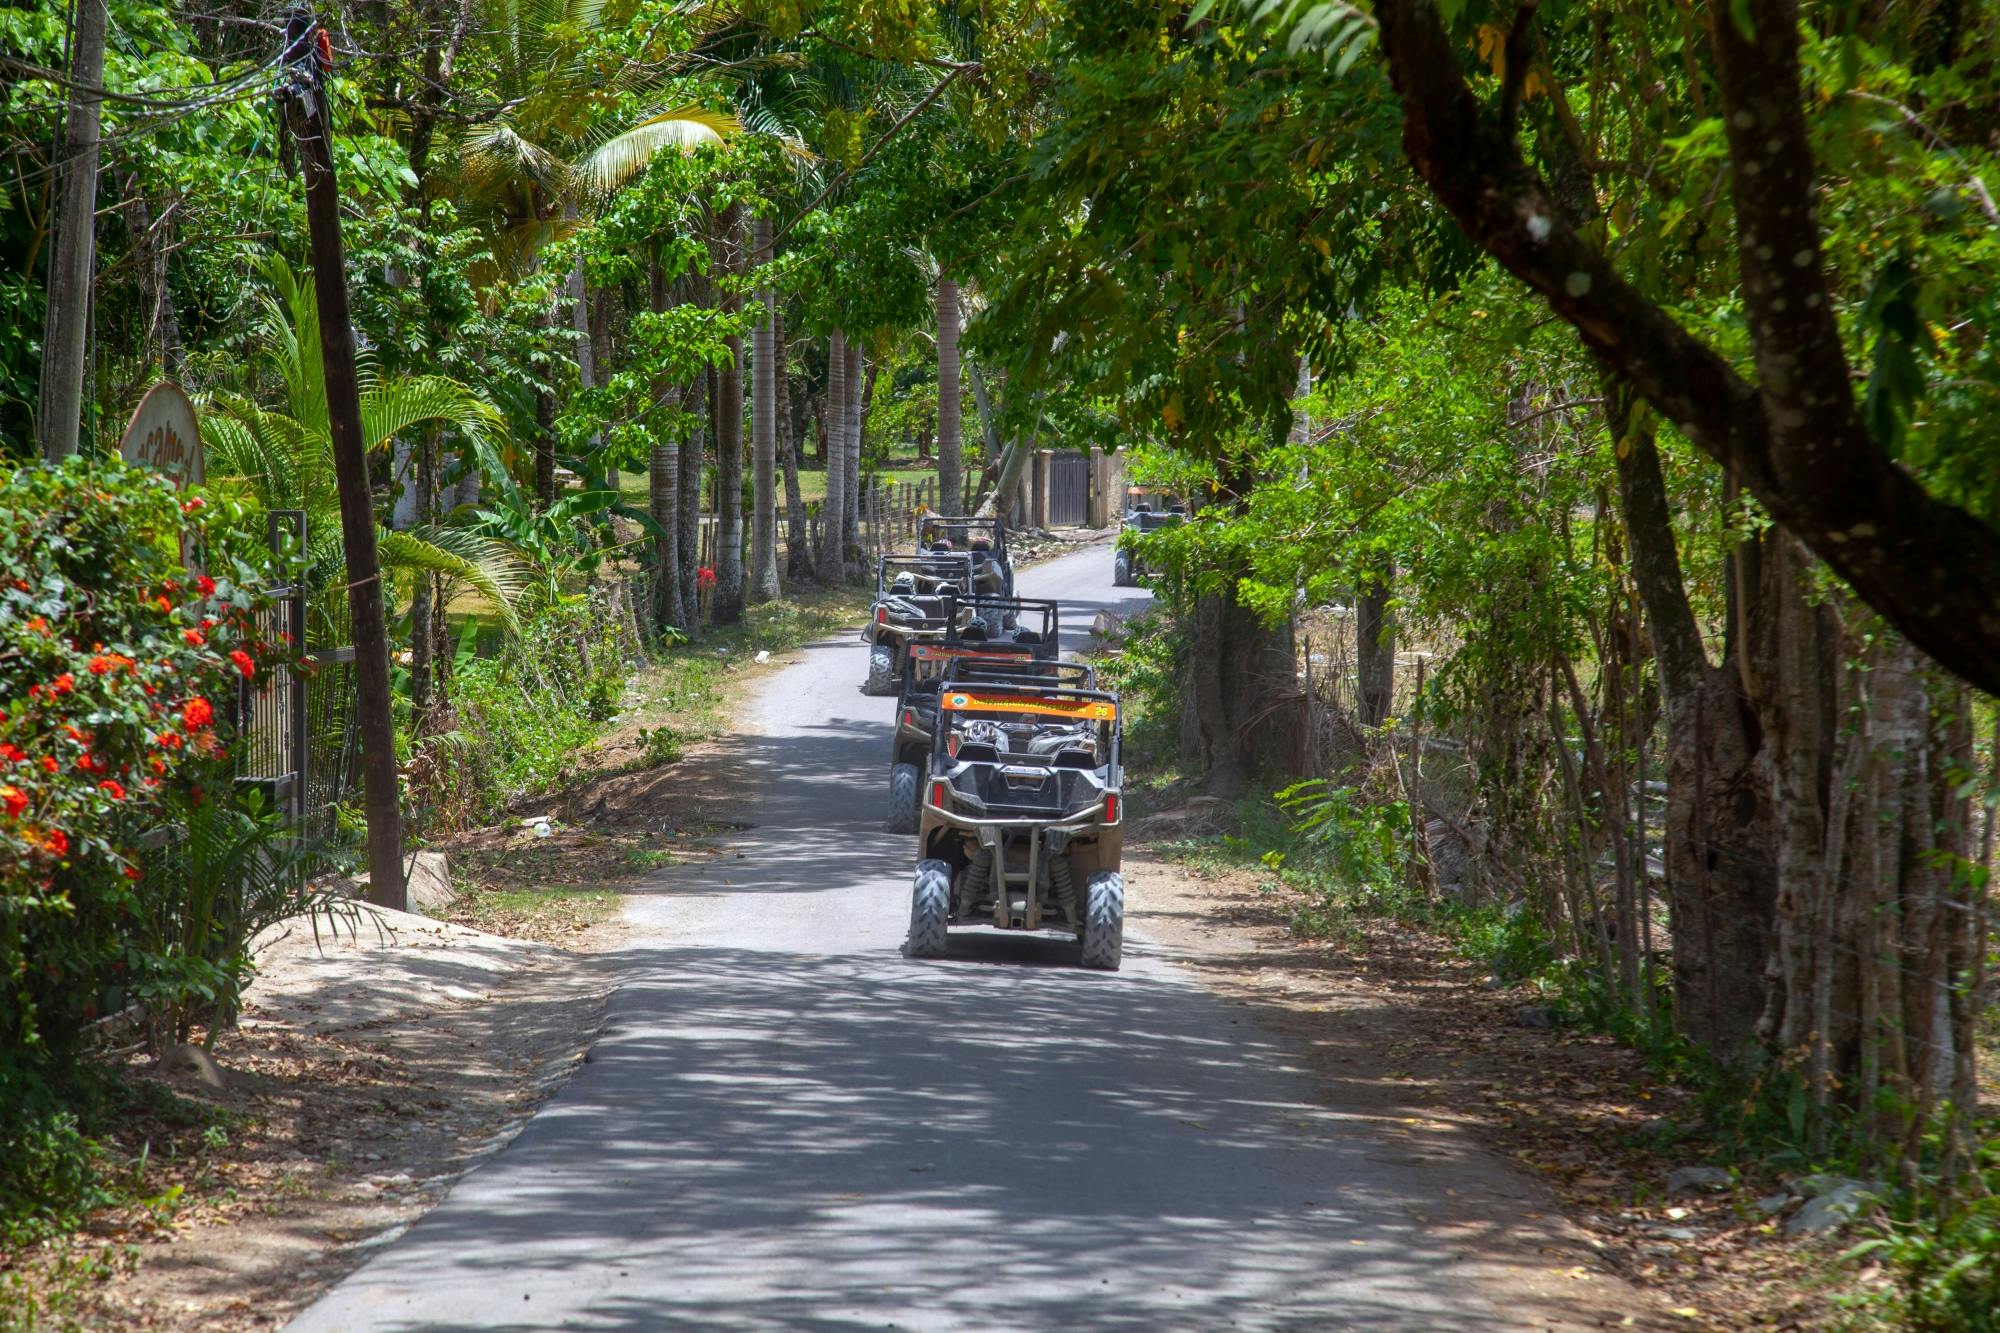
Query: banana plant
556, 544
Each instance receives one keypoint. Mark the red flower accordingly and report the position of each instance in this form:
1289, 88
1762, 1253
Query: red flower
158, 765
167, 740
194, 637
56, 842
131, 872
39, 625
62, 684
191, 505
15, 800
197, 713
704, 577
85, 763
205, 583
49, 763
112, 788
243, 663
12, 754
164, 605
99, 665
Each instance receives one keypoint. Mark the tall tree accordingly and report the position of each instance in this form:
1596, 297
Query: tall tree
727, 412
950, 419
1796, 438
767, 368
832, 509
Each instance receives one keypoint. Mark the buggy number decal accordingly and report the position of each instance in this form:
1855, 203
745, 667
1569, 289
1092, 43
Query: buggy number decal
1102, 710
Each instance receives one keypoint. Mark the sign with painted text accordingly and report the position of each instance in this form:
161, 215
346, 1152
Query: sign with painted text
165, 436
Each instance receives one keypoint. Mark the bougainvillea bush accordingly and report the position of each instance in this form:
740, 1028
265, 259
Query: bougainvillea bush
128, 616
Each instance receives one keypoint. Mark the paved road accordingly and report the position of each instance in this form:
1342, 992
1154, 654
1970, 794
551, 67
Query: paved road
787, 1125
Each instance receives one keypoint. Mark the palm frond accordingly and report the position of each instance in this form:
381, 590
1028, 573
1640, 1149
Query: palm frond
292, 326
497, 158
618, 159
391, 407
490, 568
287, 464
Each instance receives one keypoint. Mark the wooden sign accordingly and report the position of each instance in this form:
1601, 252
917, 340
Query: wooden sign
165, 436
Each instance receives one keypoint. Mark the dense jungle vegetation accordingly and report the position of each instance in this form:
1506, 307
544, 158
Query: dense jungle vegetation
1581, 402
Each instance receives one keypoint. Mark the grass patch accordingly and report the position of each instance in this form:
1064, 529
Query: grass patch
551, 914
680, 698
812, 482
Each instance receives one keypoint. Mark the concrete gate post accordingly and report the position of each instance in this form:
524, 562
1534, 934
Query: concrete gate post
1039, 509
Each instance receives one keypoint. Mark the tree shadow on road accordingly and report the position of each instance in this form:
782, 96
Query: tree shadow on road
775, 1140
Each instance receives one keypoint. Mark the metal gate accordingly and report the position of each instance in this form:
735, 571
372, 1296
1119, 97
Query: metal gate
274, 733
1069, 488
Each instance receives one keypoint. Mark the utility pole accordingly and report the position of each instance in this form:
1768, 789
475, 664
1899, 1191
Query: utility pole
74, 259
304, 124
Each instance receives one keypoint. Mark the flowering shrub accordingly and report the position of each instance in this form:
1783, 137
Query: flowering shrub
118, 668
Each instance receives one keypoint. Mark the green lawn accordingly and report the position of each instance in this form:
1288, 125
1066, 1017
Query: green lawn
812, 484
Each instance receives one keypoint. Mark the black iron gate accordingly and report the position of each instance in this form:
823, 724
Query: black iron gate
1069, 488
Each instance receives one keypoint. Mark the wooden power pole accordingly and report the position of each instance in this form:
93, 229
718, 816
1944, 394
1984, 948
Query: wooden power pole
66, 326
301, 96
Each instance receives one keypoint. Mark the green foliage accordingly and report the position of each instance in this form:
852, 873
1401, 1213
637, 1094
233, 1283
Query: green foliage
660, 745
525, 716
1944, 1253
118, 677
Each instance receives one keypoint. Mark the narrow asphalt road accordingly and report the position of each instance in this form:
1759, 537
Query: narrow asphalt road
786, 1124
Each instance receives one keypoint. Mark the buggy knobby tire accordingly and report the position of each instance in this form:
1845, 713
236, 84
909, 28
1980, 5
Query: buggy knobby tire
881, 670
930, 909
904, 783
1104, 920
1121, 570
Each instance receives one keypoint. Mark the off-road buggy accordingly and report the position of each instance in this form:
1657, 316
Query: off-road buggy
1021, 818
985, 539
917, 710
911, 592
1146, 510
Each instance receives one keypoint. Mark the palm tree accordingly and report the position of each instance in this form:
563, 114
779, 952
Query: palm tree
284, 458
763, 583
950, 454
832, 549
539, 160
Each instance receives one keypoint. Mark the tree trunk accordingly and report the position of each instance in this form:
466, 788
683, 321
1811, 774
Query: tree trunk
664, 488
423, 632
728, 434
545, 450
1375, 646
689, 527
73, 261
579, 313
950, 413
1007, 480
1240, 695
763, 581
162, 338
860, 388
798, 553
1717, 826
832, 536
